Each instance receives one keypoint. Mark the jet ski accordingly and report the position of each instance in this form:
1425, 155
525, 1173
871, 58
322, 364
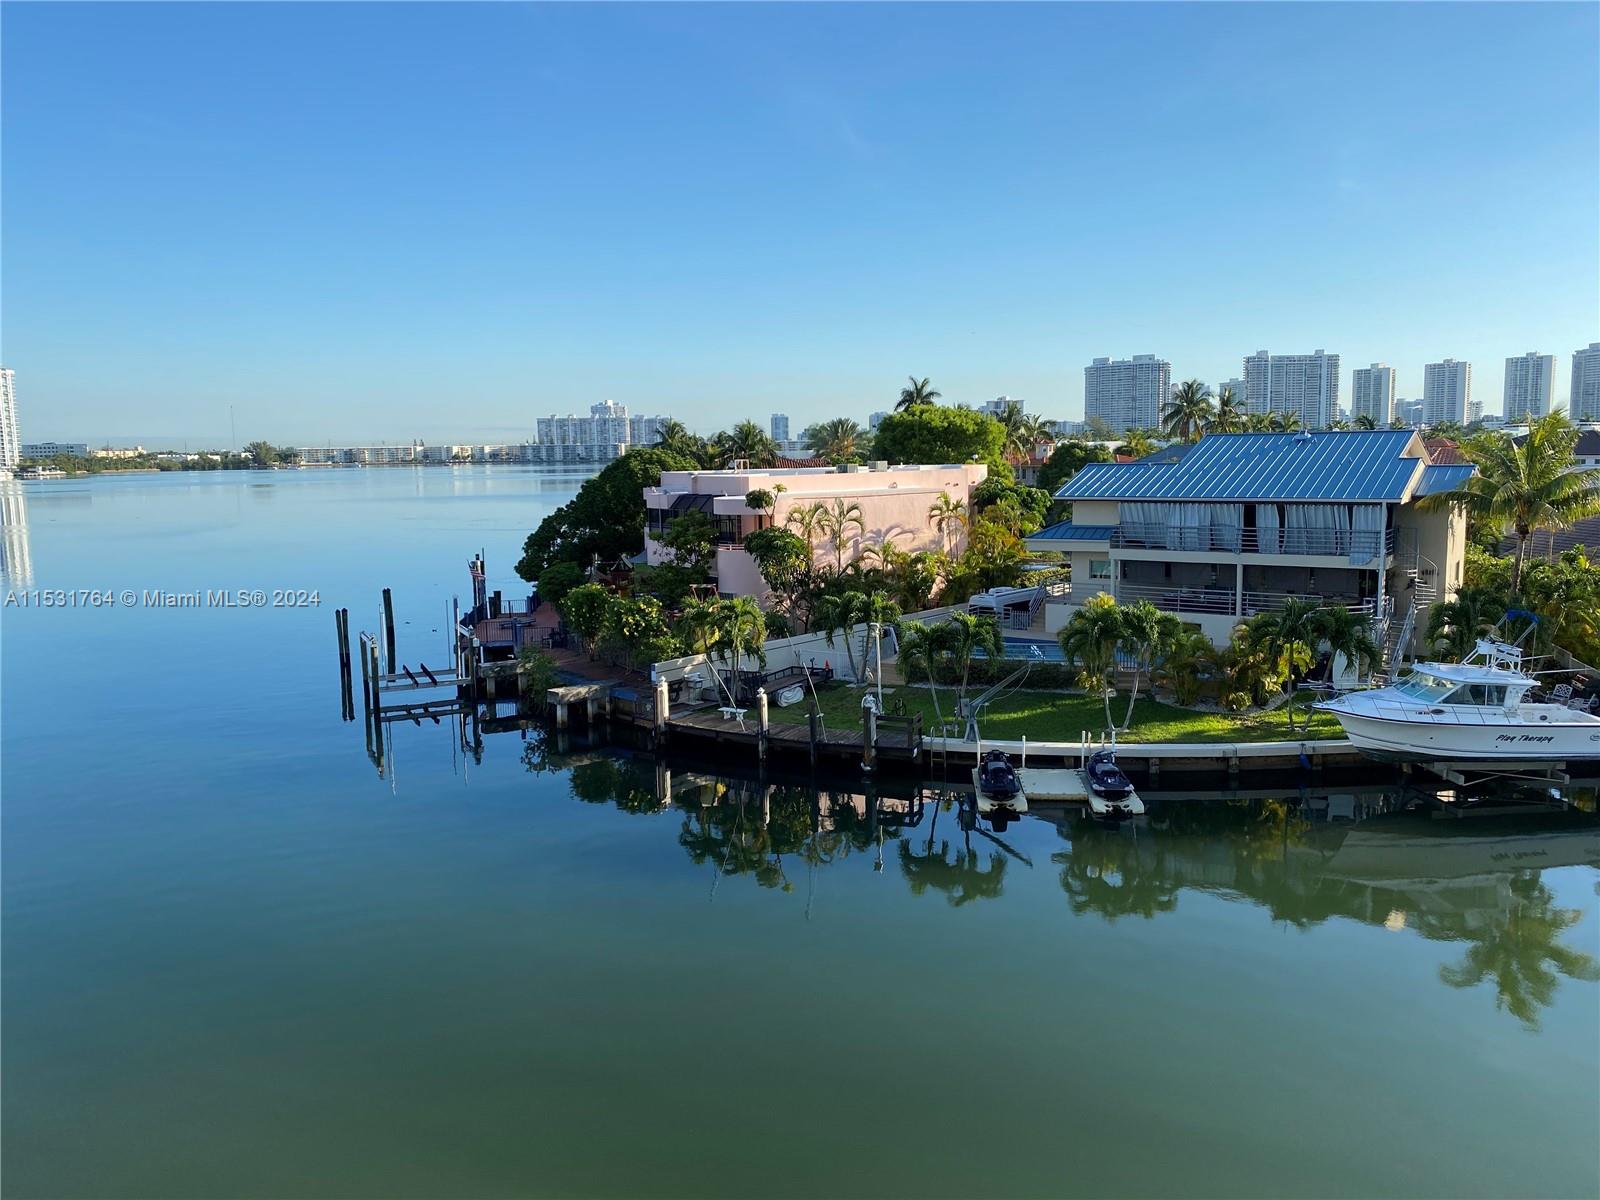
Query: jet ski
1110, 792
997, 784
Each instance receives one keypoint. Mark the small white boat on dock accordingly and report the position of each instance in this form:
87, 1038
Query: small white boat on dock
1484, 709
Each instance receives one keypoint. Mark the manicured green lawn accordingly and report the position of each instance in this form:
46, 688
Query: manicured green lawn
1055, 717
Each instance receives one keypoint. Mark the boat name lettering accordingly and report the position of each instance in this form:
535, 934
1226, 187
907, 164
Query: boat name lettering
1526, 737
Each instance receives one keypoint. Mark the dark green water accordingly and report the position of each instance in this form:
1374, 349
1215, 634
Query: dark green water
239, 963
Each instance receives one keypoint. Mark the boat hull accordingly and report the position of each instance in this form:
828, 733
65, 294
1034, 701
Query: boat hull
1396, 740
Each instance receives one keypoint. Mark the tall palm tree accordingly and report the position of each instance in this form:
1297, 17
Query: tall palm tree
837, 440
1349, 636
841, 612
741, 628
1456, 624
1188, 412
920, 393
1365, 421
1288, 636
1260, 422
968, 636
1145, 635
806, 521
750, 442
926, 649
1531, 484
1090, 640
946, 514
1023, 433
837, 520
1230, 414
1283, 421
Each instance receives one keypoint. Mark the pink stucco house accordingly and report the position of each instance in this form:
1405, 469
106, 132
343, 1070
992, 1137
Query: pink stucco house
894, 508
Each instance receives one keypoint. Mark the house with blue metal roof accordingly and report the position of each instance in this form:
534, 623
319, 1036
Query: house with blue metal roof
1239, 523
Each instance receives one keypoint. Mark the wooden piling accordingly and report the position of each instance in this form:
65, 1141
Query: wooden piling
811, 722
388, 626
869, 743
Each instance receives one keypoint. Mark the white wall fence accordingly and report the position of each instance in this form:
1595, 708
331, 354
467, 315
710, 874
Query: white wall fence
803, 649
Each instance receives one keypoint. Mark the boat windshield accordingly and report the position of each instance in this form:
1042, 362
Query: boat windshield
1421, 686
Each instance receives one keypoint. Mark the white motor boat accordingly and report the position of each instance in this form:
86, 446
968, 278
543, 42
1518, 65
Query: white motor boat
1484, 709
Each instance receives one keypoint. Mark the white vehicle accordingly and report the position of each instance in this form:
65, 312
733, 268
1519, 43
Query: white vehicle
1485, 709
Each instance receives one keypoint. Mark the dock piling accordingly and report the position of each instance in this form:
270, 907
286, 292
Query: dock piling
388, 625
762, 724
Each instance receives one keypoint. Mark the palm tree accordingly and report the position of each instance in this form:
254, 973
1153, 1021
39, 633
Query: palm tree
1534, 484
1288, 636
674, 435
946, 514
1230, 414
917, 395
1349, 635
749, 442
841, 612
1090, 640
837, 440
699, 625
1189, 412
926, 648
837, 521
1023, 433
1365, 421
1455, 625
1146, 633
1260, 422
1283, 421
806, 521
1189, 660
1338, 423
969, 635
740, 626
1137, 443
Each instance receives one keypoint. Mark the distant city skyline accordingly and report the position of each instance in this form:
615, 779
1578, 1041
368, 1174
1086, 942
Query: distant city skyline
703, 210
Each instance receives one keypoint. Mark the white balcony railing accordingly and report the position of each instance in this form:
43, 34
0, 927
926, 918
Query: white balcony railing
1213, 601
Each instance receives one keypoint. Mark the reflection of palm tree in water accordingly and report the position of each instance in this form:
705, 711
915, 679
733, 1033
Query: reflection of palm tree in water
1107, 874
1522, 952
961, 876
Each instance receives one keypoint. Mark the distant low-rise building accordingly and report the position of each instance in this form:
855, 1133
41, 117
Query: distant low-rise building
894, 504
55, 449
117, 453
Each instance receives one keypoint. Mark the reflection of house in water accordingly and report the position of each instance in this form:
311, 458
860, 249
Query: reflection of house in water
1478, 884
16, 560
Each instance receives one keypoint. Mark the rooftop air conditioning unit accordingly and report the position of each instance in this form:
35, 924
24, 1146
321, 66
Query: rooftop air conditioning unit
881, 464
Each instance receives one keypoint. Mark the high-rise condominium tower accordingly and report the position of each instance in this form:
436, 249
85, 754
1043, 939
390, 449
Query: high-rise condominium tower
1529, 378
1304, 384
10, 439
1372, 393
1583, 404
1446, 389
1126, 393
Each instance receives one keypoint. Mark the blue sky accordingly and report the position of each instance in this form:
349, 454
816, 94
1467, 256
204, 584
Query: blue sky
376, 222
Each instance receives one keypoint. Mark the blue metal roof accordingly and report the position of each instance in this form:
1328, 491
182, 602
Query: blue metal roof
1443, 477
1329, 465
1066, 531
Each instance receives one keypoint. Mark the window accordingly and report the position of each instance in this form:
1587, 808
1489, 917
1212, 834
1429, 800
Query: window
1423, 687
1481, 695
1099, 568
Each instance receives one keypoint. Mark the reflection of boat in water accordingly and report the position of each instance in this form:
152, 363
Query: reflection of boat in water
1485, 709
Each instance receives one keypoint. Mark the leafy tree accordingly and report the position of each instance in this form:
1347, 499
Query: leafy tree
1019, 508
1189, 412
675, 438
1528, 485
537, 673
265, 453
635, 632
1066, 460
559, 578
930, 434
1566, 595
1023, 433
1283, 421
760, 500
839, 440
778, 625
993, 558
785, 563
1348, 635
607, 516
584, 609
918, 395
1365, 421
690, 541
1189, 662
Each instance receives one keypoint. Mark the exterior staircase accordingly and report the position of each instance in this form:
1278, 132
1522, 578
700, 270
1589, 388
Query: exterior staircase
1396, 640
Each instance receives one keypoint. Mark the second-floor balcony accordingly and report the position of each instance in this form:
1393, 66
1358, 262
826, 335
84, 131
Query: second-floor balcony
1213, 601
1357, 545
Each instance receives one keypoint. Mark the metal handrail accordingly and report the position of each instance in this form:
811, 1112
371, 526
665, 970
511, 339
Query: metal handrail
1235, 539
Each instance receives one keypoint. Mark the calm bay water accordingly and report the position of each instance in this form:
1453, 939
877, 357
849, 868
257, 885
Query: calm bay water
239, 963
